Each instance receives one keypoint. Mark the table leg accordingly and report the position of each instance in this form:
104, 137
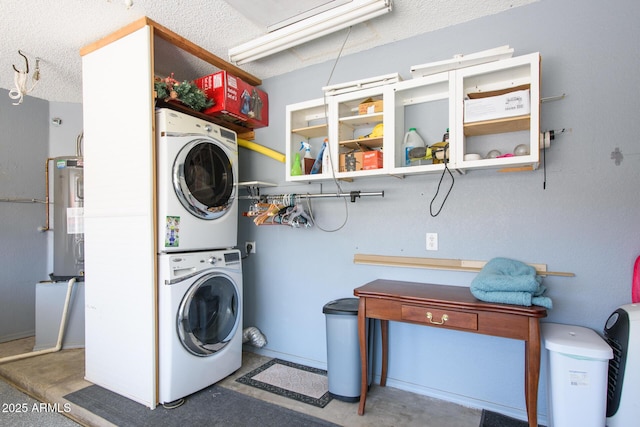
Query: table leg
364, 357
532, 371
384, 329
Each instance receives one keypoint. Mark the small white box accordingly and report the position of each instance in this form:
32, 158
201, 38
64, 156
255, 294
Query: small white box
510, 104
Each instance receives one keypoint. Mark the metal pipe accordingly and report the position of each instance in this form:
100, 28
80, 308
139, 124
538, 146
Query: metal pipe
352, 195
46, 198
63, 326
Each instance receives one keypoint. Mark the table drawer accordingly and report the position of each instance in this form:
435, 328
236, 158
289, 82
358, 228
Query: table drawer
440, 317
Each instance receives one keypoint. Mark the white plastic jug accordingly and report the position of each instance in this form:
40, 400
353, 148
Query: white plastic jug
411, 140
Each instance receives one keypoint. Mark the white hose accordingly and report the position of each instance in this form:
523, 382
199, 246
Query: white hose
20, 80
63, 326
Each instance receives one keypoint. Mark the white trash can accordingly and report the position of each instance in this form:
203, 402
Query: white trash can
577, 375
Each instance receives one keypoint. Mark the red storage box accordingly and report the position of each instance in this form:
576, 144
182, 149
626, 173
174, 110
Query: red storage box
235, 100
372, 160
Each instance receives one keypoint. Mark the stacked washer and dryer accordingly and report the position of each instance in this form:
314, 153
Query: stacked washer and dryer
200, 272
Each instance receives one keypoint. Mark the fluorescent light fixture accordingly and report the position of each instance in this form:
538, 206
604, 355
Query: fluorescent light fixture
309, 29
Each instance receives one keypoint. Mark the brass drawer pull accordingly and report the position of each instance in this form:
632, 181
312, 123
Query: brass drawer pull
430, 317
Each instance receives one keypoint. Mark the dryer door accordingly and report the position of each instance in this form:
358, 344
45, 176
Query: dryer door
203, 178
209, 314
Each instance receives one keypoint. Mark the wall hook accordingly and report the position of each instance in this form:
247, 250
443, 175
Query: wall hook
20, 79
616, 156
26, 60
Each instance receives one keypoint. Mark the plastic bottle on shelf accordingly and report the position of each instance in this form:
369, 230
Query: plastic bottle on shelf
326, 161
296, 169
317, 165
304, 164
445, 137
412, 140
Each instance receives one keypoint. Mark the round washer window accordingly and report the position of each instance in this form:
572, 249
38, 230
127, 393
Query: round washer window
208, 316
203, 179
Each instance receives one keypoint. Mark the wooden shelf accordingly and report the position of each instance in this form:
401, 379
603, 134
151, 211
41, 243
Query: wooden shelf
243, 132
312, 131
363, 119
357, 144
441, 264
174, 39
487, 127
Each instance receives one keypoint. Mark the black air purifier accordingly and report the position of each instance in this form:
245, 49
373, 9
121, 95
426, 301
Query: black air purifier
622, 333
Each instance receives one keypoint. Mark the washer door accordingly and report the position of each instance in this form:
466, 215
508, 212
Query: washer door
203, 179
208, 315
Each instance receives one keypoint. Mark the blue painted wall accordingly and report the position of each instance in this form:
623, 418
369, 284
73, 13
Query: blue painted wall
27, 139
584, 222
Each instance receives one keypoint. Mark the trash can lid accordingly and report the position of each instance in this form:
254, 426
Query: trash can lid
348, 306
575, 341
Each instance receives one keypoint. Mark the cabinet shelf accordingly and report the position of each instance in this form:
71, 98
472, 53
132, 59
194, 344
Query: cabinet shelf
357, 144
312, 131
242, 131
362, 119
487, 127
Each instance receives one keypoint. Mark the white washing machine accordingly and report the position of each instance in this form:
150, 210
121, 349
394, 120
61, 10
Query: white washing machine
197, 184
199, 320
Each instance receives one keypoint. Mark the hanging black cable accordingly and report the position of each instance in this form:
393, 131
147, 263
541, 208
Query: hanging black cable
446, 169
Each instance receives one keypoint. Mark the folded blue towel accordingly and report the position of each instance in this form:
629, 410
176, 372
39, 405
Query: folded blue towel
508, 281
516, 298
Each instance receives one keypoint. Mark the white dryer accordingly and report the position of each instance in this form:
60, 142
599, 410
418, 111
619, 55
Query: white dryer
197, 184
199, 320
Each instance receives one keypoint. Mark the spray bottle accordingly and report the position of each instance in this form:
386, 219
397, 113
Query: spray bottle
317, 165
304, 145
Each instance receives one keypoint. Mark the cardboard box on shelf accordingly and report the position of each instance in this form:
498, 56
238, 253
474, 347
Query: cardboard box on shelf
235, 100
372, 160
486, 107
350, 162
370, 106
308, 165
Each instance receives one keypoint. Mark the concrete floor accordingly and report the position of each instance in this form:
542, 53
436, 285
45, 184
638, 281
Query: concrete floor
49, 377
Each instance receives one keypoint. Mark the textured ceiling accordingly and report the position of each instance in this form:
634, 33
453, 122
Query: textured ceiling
55, 31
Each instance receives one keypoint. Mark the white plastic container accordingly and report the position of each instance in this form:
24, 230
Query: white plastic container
411, 140
576, 376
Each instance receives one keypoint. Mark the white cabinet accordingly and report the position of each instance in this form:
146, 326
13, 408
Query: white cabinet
305, 122
424, 104
503, 134
432, 104
355, 130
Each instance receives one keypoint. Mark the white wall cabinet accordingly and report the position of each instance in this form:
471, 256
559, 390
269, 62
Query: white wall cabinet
431, 104
502, 134
305, 121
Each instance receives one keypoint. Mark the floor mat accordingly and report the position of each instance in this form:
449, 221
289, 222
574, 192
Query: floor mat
494, 419
299, 382
213, 406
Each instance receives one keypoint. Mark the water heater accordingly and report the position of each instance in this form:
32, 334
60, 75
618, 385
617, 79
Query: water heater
68, 228
622, 332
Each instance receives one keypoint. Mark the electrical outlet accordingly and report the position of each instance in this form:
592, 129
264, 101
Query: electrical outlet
250, 247
432, 241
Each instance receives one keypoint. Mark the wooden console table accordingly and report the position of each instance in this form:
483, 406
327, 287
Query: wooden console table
449, 307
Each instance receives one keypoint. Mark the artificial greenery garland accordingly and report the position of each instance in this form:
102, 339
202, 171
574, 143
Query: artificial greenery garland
186, 92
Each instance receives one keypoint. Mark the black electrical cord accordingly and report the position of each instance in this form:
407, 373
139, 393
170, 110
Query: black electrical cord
446, 169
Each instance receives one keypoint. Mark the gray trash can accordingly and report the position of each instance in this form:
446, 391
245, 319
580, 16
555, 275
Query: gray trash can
343, 349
